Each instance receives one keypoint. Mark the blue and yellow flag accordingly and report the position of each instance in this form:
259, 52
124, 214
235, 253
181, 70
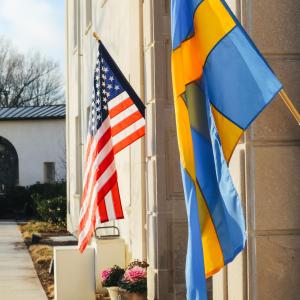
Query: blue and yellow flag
221, 83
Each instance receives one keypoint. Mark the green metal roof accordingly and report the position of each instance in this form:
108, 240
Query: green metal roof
33, 112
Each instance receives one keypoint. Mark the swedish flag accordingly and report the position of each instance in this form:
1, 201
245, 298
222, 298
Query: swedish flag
221, 83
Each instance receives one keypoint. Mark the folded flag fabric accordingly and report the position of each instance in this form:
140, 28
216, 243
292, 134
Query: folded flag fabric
117, 119
220, 83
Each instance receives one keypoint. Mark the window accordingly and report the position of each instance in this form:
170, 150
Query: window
49, 172
75, 19
88, 14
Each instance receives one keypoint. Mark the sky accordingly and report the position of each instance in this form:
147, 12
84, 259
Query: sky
35, 25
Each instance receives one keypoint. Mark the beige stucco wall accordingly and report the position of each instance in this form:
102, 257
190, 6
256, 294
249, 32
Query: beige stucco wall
37, 142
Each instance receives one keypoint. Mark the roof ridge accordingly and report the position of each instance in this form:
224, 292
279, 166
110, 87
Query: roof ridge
32, 106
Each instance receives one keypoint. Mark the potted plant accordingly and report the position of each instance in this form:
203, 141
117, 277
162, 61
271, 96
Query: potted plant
110, 279
134, 281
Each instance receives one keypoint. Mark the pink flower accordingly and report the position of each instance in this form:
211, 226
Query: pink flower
135, 274
105, 274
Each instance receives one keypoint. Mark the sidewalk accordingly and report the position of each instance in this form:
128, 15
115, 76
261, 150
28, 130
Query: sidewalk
18, 279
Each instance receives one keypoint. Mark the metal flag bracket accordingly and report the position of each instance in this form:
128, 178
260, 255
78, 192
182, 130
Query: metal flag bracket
100, 236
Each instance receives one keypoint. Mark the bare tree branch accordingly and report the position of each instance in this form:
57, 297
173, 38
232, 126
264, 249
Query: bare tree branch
28, 80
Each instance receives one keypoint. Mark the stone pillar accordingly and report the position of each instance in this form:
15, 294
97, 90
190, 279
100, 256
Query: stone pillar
166, 215
273, 158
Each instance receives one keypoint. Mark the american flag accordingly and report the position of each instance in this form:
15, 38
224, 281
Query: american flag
117, 119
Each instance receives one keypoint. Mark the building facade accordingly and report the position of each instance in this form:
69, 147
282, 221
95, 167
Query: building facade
265, 166
32, 145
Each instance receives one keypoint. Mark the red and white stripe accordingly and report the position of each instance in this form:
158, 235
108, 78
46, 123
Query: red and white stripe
124, 125
127, 123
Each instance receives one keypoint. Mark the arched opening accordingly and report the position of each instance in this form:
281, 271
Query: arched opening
9, 165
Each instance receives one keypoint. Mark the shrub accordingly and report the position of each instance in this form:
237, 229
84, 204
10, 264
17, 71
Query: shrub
42, 192
5, 207
48, 190
22, 201
14, 201
18, 195
51, 210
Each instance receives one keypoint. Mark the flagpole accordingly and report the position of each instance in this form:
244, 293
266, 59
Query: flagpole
288, 102
96, 36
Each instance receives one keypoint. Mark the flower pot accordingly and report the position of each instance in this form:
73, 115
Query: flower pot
135, 296
113, 292
123, 294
